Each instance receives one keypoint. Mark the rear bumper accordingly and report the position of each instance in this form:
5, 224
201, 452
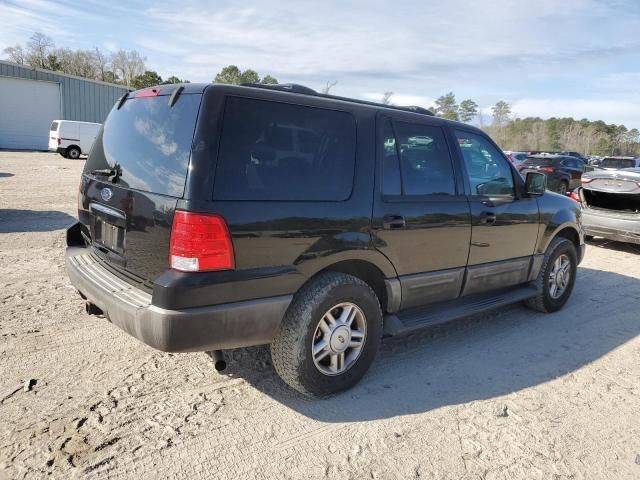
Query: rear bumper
60, 150
230, 325
613, 226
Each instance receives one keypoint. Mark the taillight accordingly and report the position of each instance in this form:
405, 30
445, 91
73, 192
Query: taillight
586, 180
574, 196
59, 140
546, 169
200, 242
79, 199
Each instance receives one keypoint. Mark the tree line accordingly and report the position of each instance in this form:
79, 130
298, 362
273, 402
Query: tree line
122, 67
538, 134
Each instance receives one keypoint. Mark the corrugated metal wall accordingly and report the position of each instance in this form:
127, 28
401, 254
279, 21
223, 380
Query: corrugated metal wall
83, 100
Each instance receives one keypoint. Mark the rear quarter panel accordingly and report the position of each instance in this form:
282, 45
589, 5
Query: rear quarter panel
557, 212
279, 245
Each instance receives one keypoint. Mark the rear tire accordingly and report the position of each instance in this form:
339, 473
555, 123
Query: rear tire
329, 335
553, 283
73, 153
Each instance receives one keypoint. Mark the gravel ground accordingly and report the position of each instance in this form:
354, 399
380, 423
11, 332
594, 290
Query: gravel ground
511, 394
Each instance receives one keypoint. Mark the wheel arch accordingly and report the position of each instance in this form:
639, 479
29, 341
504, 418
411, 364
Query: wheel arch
370, 266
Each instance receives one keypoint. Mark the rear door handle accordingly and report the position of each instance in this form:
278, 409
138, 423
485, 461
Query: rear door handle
488, 217
392, 222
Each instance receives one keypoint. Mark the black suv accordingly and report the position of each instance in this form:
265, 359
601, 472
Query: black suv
213, 217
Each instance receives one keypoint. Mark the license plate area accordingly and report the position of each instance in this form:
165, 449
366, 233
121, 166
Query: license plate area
109, 236
108, 229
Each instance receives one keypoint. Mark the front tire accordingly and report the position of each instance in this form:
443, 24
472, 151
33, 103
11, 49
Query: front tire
557, 276
329, 336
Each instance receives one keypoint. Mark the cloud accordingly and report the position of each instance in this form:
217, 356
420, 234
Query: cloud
560, 52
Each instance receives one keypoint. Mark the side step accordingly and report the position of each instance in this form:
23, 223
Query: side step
436, 313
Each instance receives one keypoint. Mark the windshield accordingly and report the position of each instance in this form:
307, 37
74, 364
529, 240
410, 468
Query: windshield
148, 143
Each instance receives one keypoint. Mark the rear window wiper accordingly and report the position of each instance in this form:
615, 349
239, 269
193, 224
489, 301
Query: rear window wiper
107, 172
103, 171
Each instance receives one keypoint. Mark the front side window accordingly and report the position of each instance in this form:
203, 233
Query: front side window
487, 170
416, 160
278, 151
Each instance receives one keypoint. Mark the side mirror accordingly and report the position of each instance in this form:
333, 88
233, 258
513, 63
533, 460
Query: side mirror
535, 184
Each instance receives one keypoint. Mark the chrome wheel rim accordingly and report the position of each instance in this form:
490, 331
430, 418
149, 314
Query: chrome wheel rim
560, 276
73, 153
339, 338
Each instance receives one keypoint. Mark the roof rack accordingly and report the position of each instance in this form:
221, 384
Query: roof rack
284, 87
297, 88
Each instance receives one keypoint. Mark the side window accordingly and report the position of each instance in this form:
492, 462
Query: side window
487, 170
278, 151
416, 157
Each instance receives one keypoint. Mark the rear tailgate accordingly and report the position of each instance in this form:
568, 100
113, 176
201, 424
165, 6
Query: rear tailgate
132, 180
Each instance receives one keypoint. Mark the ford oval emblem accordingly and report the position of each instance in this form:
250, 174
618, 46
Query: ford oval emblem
106, 194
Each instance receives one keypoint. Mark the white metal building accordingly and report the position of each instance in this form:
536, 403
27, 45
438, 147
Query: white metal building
31, 98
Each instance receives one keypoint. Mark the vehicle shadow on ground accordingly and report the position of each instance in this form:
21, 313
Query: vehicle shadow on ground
12, 220
477, 358
613, 245
5, 174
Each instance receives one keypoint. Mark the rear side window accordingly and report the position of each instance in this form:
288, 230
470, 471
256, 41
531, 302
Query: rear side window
149, 143
54, 126
277, 151
416, 160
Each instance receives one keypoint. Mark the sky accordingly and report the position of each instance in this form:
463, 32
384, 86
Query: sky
578, 58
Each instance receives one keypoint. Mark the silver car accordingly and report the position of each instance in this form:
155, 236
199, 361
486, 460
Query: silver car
611, 203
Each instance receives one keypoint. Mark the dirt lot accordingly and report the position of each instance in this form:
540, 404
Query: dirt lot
512, 394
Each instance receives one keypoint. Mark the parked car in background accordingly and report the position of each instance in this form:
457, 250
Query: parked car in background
594, 160
611, 204
516, 157
72, 139
575, 155
313, 223
563, 172
618, 163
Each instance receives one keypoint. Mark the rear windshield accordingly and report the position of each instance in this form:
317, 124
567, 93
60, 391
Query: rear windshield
618, 163
54, 127
149, 143
278, 151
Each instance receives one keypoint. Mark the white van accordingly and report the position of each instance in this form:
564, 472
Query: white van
71, 139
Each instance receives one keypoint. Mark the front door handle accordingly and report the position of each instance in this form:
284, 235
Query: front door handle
488, 217
393, 222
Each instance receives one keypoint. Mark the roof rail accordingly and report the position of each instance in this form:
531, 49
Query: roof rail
415, 109
297, 88
285, 87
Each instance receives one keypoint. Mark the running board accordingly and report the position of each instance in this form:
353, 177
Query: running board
434, 314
